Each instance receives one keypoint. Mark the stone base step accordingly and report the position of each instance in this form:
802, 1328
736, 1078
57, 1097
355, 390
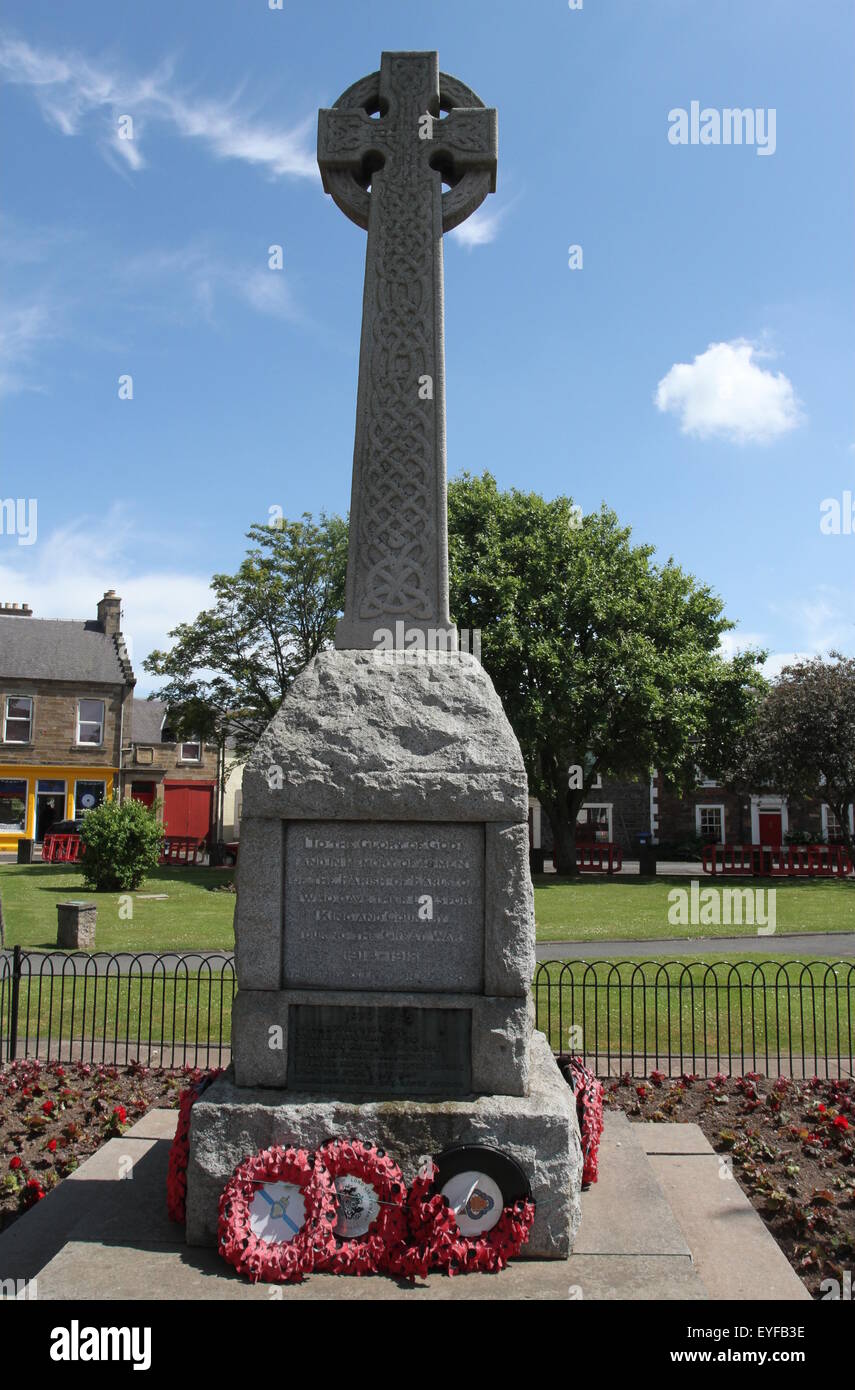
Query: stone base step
734, 1253
660, 1225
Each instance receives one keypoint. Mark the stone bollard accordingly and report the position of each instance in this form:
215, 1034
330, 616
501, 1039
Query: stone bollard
75, 929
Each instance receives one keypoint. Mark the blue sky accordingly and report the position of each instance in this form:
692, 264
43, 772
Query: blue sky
696, 373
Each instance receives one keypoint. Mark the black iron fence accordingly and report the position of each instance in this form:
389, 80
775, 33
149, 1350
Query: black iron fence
796, 1018
163, 1010
793, 1018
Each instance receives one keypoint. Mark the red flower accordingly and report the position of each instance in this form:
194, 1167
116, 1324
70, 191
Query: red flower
121, 1114
16, 1162
821, 1109
841, 1122
52, 1146
47, 1106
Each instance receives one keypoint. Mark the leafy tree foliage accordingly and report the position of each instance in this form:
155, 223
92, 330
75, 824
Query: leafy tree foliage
604, 660
229, 670
803, 743
121, 845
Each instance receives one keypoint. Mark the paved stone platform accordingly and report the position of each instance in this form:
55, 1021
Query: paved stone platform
658, 1226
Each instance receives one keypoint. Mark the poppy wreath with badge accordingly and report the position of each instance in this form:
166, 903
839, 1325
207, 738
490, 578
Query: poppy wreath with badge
179, 1152
371, 1230
430, 1225
588, 1090
481, 1208
278, 1213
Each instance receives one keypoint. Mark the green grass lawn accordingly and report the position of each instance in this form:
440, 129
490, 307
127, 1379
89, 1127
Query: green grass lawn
590, 909
600, 909
191, 917
759, 1008
766, 1010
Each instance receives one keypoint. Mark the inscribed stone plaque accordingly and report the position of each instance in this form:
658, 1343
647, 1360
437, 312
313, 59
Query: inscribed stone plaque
384, 905
351, 1049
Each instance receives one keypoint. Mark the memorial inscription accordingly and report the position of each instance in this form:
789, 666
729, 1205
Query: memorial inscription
356, 1049
384, 905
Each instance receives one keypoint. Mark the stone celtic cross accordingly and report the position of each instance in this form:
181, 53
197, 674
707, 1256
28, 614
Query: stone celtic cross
385, 149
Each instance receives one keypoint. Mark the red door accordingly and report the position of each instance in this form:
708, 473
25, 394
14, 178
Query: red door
770, 829
188, 808
144, 792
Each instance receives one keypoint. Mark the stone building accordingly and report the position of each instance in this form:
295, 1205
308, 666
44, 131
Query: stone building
72, 735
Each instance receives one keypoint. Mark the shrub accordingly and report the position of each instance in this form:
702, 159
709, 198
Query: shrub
121, 845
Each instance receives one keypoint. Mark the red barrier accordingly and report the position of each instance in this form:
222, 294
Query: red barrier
778, 861
61, 849
589, 858
182, 849
731, 859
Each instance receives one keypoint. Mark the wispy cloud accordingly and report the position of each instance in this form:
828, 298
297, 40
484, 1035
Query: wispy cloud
23, 330
91, 555
479, 229
77, 95
206, 277
724, 393
820, 622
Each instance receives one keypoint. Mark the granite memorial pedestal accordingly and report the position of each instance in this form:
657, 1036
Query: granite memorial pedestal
384, 922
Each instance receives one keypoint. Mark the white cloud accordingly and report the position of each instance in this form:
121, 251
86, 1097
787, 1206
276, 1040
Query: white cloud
206, 277
724, 393
91, 557
74, 93
23, 329
479, 229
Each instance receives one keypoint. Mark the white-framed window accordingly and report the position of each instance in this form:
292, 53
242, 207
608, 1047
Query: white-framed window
704, 781
90, 721
88, 795
13, 806
18, 721
831, 825
709, 823
191, 752
595, 822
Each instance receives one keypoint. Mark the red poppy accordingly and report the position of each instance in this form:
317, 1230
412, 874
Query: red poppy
52, 1146
47, 1106
121, 1114
841, 1122
16, 1162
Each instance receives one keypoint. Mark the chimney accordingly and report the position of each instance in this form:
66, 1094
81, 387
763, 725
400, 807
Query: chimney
15, 610
110, 613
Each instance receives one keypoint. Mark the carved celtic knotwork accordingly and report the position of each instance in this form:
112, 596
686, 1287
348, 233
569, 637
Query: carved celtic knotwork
386, 174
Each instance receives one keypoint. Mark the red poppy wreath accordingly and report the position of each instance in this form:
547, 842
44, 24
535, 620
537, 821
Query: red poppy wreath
179, 1152
371, 1230
278, 1212
471, 1211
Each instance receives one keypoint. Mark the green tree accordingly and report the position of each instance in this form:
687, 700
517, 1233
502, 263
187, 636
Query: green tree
803, 743
229, 670
604, 660
121, 845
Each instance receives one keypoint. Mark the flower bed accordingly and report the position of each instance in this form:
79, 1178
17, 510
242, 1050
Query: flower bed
53, 1115
792, 1145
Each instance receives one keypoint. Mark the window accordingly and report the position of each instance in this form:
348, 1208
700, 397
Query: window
87, 795
703, 780
90, 721
831, 830
594, 823
18, 726
709, 821
13, 806
191, 752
